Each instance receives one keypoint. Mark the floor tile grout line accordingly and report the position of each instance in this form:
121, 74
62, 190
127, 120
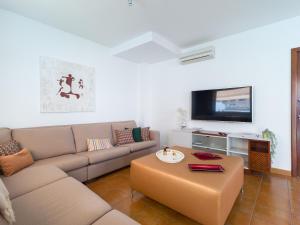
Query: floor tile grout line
290, 202
256, 197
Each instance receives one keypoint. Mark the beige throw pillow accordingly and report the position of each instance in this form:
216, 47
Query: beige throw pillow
5, 205
98, 144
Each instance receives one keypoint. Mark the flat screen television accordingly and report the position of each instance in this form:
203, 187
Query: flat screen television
231, 104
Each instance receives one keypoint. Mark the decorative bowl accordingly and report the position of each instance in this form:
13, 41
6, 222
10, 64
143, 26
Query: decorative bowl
171, 156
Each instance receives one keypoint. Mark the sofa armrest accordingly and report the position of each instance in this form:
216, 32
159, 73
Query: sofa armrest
155, 136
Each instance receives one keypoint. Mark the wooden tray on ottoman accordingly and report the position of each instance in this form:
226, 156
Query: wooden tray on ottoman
203, 196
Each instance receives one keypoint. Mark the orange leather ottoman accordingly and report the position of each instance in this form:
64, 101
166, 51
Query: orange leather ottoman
205, 197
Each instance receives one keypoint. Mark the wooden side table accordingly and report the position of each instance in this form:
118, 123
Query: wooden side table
259, 156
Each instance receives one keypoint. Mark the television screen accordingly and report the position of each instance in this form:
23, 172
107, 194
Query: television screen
232, 104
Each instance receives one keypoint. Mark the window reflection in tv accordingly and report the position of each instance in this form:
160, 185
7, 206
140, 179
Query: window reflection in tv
234, 100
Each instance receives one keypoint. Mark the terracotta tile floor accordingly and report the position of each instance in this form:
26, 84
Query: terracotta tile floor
266, 200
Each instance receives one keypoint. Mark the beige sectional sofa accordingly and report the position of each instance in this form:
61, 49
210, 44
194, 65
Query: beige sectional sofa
47, 193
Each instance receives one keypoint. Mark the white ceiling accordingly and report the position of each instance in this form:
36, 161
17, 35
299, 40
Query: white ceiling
183, 22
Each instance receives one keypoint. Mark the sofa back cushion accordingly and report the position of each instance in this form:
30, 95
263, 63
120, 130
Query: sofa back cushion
46, 142
5, 135
121, 126
82, 132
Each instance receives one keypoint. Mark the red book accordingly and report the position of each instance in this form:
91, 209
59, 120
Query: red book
206, 167
207, 156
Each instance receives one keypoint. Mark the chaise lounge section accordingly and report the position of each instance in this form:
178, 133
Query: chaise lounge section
46, 195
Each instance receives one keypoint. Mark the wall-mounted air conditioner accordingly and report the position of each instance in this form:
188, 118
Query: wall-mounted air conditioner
197, 56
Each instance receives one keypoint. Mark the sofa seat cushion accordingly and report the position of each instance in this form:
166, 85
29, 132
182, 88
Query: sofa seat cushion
66, 201
104, 155
115, 217
31, 178
64, 162
137, 146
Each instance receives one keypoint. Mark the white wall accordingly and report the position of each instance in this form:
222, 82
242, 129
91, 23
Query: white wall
259, 57
23, 41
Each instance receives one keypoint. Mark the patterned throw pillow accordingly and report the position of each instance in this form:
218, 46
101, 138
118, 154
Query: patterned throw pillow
124, 136
146, 134
9, 148
98, 144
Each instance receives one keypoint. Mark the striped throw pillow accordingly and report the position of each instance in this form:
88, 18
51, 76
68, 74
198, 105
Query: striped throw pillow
98, 144
146, 134
124, 136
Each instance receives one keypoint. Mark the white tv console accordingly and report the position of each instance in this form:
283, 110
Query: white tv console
227, 144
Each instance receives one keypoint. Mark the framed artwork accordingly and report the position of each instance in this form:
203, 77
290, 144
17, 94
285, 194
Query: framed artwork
66, 86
